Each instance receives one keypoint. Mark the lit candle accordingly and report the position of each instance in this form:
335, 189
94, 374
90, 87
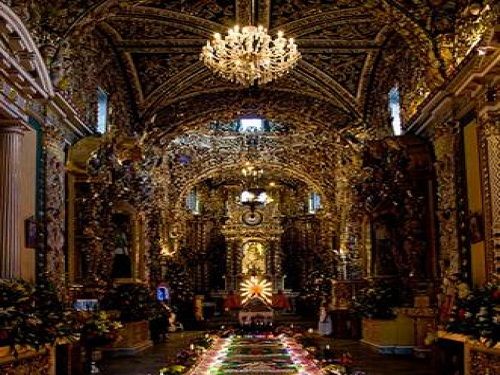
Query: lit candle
191, 347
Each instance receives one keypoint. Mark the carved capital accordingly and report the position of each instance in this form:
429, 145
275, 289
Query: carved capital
491, 127
446, 129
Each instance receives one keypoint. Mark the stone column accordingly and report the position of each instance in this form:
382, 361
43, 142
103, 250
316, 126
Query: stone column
11, 134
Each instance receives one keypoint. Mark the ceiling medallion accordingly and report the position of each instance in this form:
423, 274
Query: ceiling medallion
250, 55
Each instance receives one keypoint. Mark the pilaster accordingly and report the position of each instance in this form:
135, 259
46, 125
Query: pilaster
445, 147
55, 208
490, 144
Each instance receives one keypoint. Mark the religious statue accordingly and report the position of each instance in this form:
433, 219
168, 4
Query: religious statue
122, 264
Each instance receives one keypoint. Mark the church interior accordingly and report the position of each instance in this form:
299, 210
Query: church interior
212, 187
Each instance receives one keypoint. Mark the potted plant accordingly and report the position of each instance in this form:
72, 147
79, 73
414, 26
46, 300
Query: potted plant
134, 305
32, 317
381, 326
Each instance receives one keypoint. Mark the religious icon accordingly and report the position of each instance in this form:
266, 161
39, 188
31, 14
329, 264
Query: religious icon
476, 227
30, 232
254, 259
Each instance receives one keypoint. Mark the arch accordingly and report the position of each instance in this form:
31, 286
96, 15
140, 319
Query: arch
282, 168
25, 56
278, 104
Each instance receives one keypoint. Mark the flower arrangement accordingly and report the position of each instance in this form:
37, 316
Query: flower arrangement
476, 313
376, 302
335, 370
173, 370
204, 342
33, 316
99, 330
134, 302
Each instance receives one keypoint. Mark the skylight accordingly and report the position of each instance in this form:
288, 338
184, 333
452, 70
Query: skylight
251, 125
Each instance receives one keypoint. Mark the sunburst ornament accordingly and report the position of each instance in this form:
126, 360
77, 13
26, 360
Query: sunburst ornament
256, 288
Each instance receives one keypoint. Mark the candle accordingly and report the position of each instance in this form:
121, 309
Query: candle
191, 347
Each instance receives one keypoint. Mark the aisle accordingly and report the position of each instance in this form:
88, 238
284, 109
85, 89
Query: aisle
255, 355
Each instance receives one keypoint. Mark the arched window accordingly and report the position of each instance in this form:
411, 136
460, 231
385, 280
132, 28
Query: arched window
193, 202
314, 203
395, 110
102, 111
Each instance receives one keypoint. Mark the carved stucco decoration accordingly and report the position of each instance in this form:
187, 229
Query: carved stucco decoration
445, 147
490, 144
193, 157
333, 37
225, 105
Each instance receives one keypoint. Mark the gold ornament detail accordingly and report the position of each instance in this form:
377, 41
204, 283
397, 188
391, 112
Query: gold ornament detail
256, 288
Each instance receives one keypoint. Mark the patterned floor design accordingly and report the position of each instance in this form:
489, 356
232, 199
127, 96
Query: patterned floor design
149, 362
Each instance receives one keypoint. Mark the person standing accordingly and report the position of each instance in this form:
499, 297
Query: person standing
325, 321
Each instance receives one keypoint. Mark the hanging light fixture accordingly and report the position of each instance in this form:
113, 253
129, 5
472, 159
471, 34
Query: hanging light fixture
250, 55
253, 196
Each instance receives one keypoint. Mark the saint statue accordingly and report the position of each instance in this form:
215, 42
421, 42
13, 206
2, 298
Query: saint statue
122, 264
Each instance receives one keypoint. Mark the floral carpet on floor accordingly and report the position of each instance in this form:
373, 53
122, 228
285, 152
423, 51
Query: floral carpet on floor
255, 355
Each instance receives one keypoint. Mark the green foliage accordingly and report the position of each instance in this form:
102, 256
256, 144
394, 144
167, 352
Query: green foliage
135, 302
317, 287
377, 301
476, 313
179, 281
33, 316
98, 329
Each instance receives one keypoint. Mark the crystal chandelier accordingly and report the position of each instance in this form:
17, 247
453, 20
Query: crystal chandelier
250, 55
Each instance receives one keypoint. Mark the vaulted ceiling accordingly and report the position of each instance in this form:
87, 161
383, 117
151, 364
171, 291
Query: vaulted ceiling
344, 43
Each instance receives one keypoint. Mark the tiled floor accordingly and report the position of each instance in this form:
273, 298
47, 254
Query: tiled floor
149, 362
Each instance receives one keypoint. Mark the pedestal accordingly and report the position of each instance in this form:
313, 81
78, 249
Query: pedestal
389, 336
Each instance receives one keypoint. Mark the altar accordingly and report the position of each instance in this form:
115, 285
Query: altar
248, 318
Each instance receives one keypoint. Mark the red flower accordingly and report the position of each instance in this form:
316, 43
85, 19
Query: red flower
461, 314
496, 295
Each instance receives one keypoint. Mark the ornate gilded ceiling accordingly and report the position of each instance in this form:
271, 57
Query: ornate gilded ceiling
155, 45
145, 54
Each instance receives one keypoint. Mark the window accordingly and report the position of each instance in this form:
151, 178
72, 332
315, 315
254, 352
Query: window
314, 202
251, 125
395, 110
193, 202
102, 111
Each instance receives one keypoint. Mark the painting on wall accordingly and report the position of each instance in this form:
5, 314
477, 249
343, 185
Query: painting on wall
476, 232
30, 231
